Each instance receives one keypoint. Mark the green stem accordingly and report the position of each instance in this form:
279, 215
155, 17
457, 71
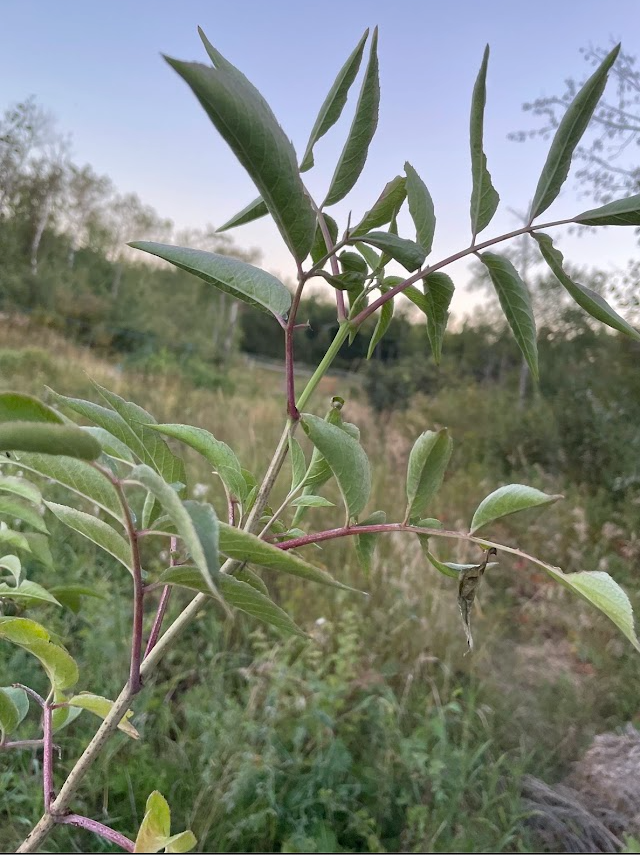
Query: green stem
323, 367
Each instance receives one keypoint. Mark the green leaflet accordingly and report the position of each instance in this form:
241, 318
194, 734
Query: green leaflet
246, 123
16, 407
516, 304
335, 101
217, 453
622, 212
407, 252
70, 596
48, 438
384, 208
438, 293
197, 528
363, 128
111, 446
428, 462
96, 530
13, 539
242, 546
309, 501
365, 544
484, 198
347, 460
77, 476
14, 705
587, 299
101, 707
253, 211
420, 208
570, 130
250, 284
21, 510
508, 500
61, 669
239, 594
385, 316
20, 487
417, 298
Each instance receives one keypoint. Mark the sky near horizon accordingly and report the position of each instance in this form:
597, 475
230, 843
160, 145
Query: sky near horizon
97, 67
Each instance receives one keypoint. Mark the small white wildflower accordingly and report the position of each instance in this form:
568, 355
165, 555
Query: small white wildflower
321, 621
200, 491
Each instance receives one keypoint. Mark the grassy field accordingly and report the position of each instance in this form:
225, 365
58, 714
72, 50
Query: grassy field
380, 734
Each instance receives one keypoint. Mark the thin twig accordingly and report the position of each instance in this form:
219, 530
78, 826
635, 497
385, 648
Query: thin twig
97, 828
47, 759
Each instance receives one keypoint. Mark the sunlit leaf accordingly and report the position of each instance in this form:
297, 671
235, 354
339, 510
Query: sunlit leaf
101, 707
310, 501
570, 130
14, 705
509, 500
27, 593
155, 828
13, 565
34, 638
516, 304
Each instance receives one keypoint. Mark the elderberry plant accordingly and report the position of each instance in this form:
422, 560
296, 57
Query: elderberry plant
127, 483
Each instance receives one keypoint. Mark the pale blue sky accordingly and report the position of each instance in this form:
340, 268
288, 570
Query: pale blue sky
97, 66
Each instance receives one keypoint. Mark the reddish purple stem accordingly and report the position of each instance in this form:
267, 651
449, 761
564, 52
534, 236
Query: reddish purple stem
47, 760
97, 828
346, 531
162, 605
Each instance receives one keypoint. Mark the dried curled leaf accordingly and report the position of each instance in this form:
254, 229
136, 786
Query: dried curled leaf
469, 579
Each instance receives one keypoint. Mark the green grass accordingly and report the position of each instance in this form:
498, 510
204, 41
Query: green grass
380, 734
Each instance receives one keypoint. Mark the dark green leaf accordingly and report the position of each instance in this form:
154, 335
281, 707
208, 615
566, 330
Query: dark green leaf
48, 439
438, 293
372, 258
217, 453
366, 543
508, 500
587, 299
253, 211
38, 546
242, 546
95, 530
385, 316
428, 462
406, 252
16, 407
384, 209
110, 445
298, 463
570, 130
417, 298
238, 594
622, 212
516, 304
238, 278
247, 124
71, 595
484, 198
365, 122
420, 208
347, 460
333, 104
205, 522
